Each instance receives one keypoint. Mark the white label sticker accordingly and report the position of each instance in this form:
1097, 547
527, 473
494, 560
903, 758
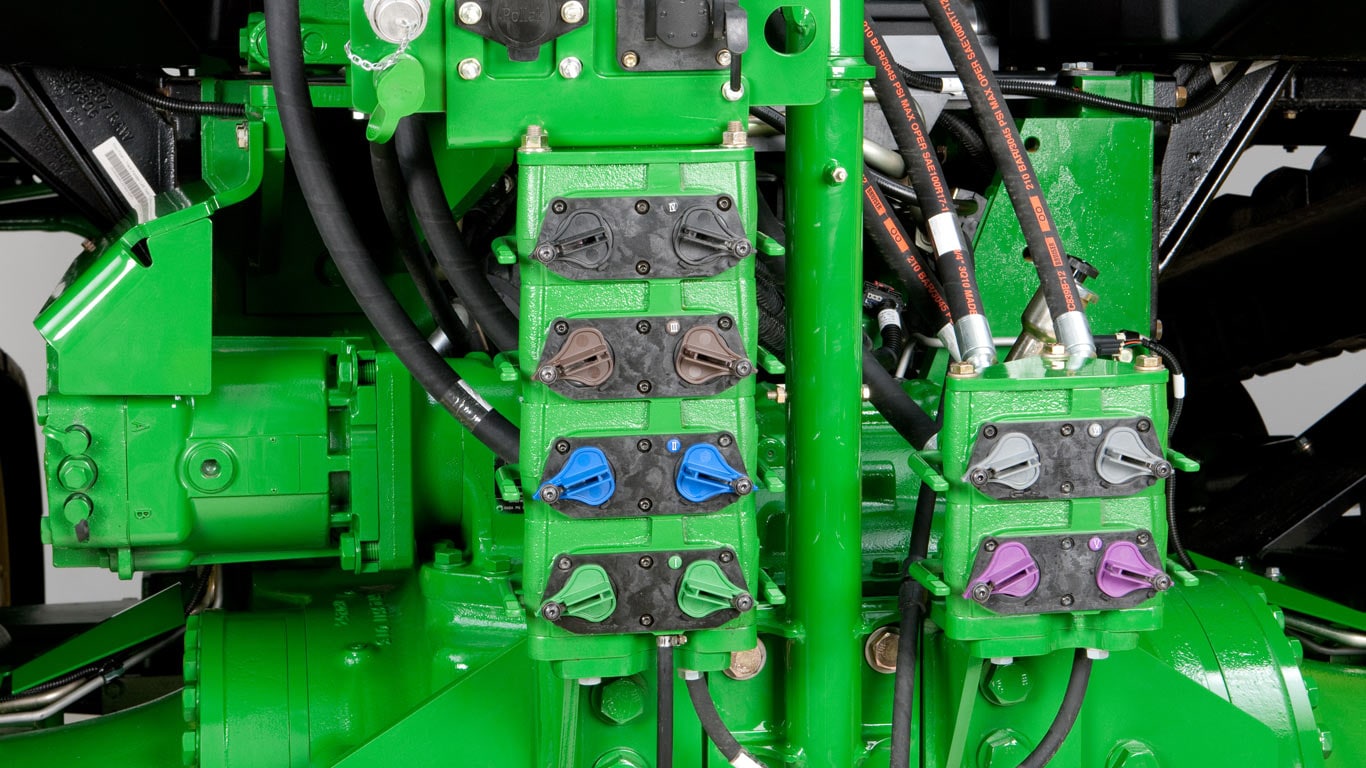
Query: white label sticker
119, 167
944, 233
952, 86
886, 317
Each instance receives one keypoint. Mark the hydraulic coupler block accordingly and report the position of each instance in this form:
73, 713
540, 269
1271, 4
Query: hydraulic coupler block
638, 341
1055, 525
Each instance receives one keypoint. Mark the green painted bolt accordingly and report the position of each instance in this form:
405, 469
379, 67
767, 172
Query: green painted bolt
622, 701
1326, 741
447, 555
1002, 747
621, 757
1131, 754
76, 473
77, 508
1006, 685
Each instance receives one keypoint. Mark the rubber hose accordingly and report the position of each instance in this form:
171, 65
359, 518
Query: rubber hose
927, 179
664, 701
1017, 172
392, 194
911, 598
1072, 699
716, 730
343, 241
901, 412
900, 254
464, 271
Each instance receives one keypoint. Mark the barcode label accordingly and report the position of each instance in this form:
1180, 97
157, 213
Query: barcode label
119, 167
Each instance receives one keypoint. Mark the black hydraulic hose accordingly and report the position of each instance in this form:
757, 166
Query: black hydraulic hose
716, 730
171, 104
1178, 402
465, 271
1072, 699
951, 253
664, 699
974, 146
901, 412
911, 598
900, 254
1017, 174
343, 241
1021, 87
392, 196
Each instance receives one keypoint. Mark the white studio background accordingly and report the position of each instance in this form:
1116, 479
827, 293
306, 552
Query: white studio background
32, 262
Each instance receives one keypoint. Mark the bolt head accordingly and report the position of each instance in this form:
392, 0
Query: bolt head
1066, 430
727, 556
622, 701
547, 374
562, 446
644, 387
470, 13
564, 563
552, 611
978, 477
725, 441
642, 206
469, 68
1143, 539
1095, 430
880, 649
989, 431
1147, 363
550, 494
572, 12
1066, 487
1068, 543
839, 175
645, 505
1067, 600
571, 67
642, 267
961, 369
647, 620
742, 486
743, 368
981, 593
742, 602
630, 59
646, 561
723, 57
1144, 425
745, 665
561, 327
725, 323
989, 545
644, 445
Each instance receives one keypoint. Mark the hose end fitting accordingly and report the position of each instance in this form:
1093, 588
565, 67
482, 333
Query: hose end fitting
974, 334
1074, 332
947, 335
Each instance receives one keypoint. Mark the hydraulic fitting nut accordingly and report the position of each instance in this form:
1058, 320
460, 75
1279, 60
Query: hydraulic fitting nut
962, 369
1147, 363
394, 21
534, 140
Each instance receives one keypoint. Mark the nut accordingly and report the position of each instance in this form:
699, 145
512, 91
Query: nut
880, 649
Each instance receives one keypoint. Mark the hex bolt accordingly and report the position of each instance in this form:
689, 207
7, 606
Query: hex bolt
742, 602
561, 327
1144, 425
880, 649
962, 369
552, 611
572, 12
469, 68
724, 203
646, 561
723, 57
1068, 543
564, 563
642, 267
534, 139
726, 556
1067, 430
644, 445
989, 545
725, 441
978, 477
745, 665
470, 13
643, 327
545, 253
1095, 430
547, 374
725, 323
645, 505
742, 486
837, 175
642, 207
1066, 486
562, 446
1067, 600
644, 386
1147, 363
646, 620
989, 431
559, 206
630, 59
551, 494
981, 593
570, 67
1143, 539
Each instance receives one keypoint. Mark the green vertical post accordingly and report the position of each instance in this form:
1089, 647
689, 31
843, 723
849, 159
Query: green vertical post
824, 380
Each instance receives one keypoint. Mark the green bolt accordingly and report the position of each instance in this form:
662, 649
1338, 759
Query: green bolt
76, 473
447, 556
1131, 754
1002, 747
78, 507
1006, 685
621, 701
